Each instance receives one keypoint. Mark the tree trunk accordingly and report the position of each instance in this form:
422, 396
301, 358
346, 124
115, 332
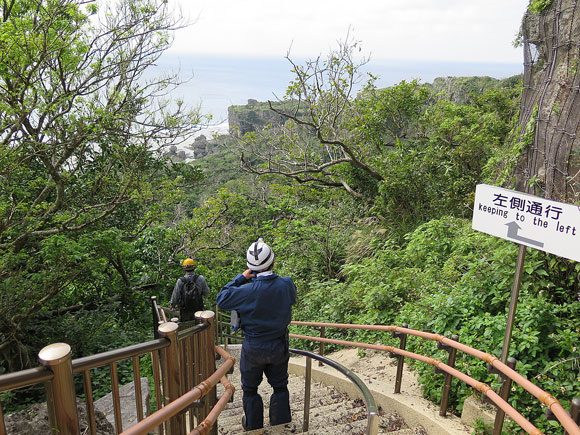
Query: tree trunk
550, 167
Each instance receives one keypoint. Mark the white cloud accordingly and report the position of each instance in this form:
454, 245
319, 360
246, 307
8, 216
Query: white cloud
430, 30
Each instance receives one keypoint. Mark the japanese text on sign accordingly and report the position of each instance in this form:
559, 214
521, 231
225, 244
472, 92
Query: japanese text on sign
543, 224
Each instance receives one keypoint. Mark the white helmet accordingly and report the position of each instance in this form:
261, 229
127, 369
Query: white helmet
260, 256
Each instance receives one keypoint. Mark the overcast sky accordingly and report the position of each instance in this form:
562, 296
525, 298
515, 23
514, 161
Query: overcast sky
425, 30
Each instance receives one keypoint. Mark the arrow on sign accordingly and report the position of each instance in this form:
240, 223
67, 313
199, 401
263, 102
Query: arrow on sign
512, 233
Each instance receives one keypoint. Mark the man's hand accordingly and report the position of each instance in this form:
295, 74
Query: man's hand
249, 274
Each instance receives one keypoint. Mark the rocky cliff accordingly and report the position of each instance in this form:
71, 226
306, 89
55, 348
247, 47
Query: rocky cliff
254, 116
460, 90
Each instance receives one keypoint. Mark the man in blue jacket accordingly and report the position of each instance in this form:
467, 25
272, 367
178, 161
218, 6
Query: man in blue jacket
263, 301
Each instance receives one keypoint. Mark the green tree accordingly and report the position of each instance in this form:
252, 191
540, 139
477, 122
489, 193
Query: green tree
419, 153
315, 144
82, 131
435, 173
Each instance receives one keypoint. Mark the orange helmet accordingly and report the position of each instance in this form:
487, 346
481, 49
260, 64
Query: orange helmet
188, 264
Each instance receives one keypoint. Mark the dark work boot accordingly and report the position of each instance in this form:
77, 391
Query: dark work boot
280, 407
253, 410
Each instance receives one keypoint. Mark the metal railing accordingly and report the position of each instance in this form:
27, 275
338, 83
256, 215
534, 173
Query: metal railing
180, 404
57, 373
569, 421
184, 372
372, 410
194, 365
185, 376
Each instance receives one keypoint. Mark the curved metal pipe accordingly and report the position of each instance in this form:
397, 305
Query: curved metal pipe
205, 426
372, 410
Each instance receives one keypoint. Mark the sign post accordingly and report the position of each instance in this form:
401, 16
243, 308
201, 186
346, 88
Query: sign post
528, 220
513, 303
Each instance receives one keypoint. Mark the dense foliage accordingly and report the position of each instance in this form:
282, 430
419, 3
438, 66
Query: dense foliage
398, 222
363, 193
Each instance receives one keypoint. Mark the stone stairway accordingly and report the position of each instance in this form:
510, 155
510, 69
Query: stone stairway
331, 411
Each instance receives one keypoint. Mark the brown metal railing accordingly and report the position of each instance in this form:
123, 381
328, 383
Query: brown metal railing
195, 361
173, 409
568, 421
58, 371
185, 376
183, 356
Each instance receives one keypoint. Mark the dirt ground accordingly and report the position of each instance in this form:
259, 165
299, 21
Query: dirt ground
376, 366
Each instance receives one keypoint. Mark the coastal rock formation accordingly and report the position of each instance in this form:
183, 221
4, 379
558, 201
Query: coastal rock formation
460, 90
177, 155
201, 147
252, 117
256, 115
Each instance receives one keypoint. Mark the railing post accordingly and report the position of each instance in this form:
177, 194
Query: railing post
504, 393
321, 344
322, 331
219, 328
307, 384
401, 360
447, 385
155, 315
60, 391
2, 425
209, 357
172, 374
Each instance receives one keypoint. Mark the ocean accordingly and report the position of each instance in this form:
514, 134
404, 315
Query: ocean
215, 83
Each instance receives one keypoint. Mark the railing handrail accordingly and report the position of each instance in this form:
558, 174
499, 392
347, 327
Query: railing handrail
191, 330
176, 406
37, 375
551, 402
486, 357
82, 365
24, 378
100, 359
372, 409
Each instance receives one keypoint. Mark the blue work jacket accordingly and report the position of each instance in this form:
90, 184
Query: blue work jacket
263, 303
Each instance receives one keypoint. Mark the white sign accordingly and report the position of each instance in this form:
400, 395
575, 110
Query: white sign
546, 225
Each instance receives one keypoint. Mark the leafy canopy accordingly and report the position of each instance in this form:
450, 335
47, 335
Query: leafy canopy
82, 128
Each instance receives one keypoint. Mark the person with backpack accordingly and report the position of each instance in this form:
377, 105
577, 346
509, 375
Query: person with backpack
263, 301
189, 291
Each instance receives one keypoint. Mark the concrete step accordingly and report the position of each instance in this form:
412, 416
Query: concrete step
390, 425
334, 412
344, 417
319, 396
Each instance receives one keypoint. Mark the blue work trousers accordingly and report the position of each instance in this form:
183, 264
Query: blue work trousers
269, 358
